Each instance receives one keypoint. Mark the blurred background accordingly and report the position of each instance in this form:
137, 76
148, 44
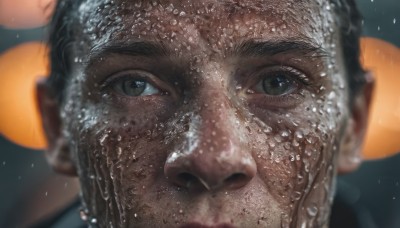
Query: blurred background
29, 190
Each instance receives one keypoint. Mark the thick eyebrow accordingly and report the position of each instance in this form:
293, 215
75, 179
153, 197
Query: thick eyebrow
139, 48
270, 48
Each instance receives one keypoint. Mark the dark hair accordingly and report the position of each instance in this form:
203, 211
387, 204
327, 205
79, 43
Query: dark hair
62, 36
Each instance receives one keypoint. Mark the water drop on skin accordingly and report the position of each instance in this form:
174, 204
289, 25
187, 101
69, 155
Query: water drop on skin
312, 211
285, 134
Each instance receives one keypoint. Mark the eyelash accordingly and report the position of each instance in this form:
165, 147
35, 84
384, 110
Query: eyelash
130, 74
297, 75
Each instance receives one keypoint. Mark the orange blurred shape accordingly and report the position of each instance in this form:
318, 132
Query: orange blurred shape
383, 134
23, 14
20, 67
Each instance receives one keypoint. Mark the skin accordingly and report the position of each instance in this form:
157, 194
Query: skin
205, 145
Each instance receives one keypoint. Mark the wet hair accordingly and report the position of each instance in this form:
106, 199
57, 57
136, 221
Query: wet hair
62, 36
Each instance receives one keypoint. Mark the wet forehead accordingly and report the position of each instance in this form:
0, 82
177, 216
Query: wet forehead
209, 22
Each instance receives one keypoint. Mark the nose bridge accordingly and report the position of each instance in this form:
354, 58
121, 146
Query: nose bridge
217, 114
217, 158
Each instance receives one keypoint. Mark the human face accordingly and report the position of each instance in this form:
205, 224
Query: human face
206, 113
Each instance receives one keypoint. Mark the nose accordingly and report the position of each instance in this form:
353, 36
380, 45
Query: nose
213, 157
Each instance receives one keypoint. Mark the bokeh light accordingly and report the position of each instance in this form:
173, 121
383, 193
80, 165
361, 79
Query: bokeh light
383, 135
23, 14
21, 67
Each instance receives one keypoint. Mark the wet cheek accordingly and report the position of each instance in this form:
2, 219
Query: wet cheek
120, 166
119, 152
291, 149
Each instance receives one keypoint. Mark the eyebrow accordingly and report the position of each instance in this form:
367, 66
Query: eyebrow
140, 48
269, 48
247, 48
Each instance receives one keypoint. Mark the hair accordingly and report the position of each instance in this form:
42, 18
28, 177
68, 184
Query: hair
62, 35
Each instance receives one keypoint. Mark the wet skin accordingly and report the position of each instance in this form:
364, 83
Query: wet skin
206, 112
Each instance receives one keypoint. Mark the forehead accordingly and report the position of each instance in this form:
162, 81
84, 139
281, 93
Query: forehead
218, 23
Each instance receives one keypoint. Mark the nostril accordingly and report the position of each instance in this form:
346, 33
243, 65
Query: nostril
236, 180
186, 177
186, 180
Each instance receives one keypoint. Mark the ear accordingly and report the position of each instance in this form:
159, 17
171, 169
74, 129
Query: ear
58, 152
350, 156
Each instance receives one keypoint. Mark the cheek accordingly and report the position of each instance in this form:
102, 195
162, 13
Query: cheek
118, 167
118, 155
294, 148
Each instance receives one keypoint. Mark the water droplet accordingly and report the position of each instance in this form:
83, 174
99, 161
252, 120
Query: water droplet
93, 220
102, 139
394, 20
267, 130
84, 215
312, 211
285, 134
271, 143
299, 134
296, 195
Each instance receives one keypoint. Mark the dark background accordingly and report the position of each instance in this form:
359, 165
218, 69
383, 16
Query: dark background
28, 188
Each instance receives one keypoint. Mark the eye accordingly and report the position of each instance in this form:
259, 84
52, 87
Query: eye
133, 84
277, 84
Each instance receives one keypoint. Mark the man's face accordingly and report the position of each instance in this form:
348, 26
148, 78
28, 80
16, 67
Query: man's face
206, 113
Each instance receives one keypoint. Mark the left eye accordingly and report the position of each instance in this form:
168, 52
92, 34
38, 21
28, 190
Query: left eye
134, 87
278, 84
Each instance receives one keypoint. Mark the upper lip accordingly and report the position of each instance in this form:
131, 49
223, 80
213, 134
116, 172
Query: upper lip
198, 225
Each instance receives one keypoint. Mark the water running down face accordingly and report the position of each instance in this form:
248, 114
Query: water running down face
208, 113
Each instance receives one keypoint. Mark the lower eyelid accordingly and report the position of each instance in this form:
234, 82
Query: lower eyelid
267, 102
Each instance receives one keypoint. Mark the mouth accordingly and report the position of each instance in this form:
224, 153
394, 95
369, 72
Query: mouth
198, 225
